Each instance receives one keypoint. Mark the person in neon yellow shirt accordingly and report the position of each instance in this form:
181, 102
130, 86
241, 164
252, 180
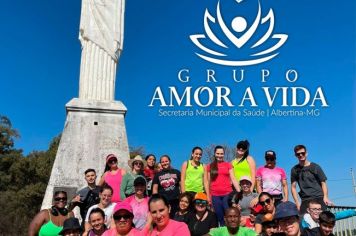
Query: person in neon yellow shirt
193, 174
244, 164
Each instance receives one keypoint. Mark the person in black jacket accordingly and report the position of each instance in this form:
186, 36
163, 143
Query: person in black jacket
201, 220
87, 196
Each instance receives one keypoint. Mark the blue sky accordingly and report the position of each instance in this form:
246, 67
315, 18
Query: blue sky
39, 72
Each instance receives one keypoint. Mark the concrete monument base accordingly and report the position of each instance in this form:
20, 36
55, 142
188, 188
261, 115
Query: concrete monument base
93, 129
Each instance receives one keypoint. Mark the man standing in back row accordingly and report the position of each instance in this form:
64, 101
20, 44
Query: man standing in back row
311, 181
87, 196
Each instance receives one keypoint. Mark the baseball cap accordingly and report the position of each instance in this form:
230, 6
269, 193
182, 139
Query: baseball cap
200, 196
140, 180
70, 224
110, 157
245, 178
286, 209
270, 153
123, 206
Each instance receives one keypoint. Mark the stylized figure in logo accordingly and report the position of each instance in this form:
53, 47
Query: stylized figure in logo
238, 25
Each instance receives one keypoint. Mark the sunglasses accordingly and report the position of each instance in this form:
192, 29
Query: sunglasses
300, 154
125, 217
242, 147
245, 182
63, 199
201, 202
270, 159
265, 202
137, 163
111, 161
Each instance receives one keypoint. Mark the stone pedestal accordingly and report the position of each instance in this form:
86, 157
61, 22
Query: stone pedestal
93, 129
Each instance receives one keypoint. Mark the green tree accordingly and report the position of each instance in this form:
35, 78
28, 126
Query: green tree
134, 151
8, 154
23, 180
7, 136
26, 181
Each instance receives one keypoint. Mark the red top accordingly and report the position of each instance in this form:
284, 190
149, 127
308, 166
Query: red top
149, 173
222, 184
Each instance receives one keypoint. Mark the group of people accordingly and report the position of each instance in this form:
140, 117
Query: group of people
220, 198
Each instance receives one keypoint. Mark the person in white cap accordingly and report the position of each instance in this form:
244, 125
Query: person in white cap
244, 200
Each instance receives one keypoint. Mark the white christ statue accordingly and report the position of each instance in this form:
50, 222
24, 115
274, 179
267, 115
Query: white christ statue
101, 37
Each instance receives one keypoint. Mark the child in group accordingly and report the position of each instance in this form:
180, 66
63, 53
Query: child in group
327, 223
184, 207
311, 218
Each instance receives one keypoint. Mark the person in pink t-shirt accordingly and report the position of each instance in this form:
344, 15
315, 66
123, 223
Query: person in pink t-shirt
139, 203
220, 176
159, 209
272, 179
112, 176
